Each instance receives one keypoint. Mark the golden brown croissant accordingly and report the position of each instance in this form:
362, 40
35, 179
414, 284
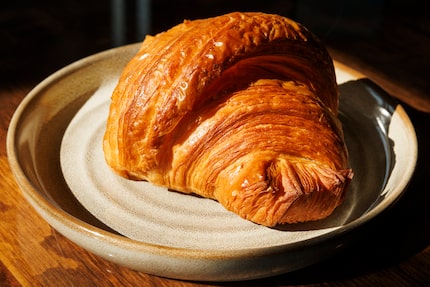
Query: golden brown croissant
241, 108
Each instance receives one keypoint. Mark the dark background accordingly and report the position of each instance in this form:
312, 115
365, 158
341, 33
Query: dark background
39, 37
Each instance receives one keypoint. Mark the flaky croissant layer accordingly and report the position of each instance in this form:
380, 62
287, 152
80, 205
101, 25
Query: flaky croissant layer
241, 108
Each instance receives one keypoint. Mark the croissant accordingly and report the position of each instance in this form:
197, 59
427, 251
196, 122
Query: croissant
240, 108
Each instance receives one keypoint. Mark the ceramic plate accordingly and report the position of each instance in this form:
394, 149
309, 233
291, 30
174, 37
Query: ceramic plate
54, 148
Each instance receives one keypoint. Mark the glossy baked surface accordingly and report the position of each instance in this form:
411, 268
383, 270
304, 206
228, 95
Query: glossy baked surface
241, 108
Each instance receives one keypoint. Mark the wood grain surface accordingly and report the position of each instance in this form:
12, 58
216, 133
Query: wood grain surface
393, 250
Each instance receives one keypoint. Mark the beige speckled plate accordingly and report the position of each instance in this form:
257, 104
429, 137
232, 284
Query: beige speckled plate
54, 149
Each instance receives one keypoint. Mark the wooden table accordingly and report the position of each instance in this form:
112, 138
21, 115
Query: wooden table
391, 250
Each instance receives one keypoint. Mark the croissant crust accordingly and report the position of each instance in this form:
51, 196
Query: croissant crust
240, 108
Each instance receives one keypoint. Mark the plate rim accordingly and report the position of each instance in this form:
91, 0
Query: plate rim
72, 226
